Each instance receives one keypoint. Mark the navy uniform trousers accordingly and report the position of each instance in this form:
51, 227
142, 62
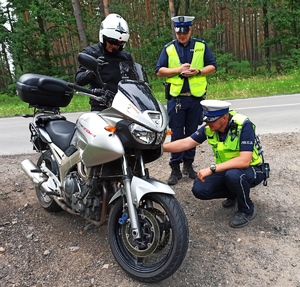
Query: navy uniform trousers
233, 183
184, 121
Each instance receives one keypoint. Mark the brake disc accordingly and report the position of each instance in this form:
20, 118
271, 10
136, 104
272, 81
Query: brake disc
150, 235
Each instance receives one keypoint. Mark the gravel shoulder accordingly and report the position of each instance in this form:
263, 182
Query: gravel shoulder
38, 248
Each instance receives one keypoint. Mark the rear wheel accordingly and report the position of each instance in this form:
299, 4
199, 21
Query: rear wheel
164, 238
46, 201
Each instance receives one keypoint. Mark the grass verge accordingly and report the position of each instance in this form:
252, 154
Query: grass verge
225, 90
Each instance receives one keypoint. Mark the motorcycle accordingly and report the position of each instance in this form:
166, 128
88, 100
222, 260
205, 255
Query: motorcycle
96, 168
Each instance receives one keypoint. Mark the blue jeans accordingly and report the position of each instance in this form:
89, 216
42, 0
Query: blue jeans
233, 183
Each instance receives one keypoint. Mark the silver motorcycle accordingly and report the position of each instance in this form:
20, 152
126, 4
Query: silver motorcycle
96, 168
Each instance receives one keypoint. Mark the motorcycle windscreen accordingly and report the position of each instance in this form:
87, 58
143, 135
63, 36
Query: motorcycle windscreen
132, 71
136, 87
139, 94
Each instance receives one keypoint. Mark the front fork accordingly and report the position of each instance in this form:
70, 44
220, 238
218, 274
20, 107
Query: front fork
134, 189
133, 216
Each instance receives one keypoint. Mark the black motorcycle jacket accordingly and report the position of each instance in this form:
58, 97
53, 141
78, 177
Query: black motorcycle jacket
110, 73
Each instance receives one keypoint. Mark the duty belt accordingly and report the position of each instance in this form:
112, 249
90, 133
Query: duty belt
189, 94
186, 94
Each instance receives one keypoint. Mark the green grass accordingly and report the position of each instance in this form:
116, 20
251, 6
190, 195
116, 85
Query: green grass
12, 106
255, 87
225, 90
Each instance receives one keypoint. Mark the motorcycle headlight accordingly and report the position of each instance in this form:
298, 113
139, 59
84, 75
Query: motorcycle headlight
142, 134
160, 137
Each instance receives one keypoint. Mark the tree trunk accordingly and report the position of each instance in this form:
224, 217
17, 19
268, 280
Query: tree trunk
266, 35
79, 22
148, 10
106, 7
173, 14
7, 66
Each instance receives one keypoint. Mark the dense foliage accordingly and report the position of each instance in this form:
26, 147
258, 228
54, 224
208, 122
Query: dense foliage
247, 37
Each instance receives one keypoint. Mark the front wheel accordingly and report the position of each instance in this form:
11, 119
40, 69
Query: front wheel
164, 238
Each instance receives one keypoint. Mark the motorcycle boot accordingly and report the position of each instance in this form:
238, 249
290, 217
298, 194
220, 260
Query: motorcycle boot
175, 174
188, 170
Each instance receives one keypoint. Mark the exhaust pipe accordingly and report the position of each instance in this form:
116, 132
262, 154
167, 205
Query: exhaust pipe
35, 174
32, 171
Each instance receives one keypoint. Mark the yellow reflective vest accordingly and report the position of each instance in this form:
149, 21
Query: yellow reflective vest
197, 83
230, 148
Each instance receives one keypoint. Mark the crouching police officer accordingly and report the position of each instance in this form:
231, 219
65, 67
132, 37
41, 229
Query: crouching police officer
238, 159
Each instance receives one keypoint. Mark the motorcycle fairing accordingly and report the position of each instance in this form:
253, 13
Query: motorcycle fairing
155, 120
96, 145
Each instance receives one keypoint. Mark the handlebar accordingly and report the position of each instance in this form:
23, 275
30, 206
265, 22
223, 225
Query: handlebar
79, 88
98, 94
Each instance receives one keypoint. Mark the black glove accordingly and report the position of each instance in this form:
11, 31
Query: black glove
109, 97
104, 96
101, 62
89, 75
102, 101
98, 92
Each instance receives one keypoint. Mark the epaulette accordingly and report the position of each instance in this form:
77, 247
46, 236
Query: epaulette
199, 40
170, 43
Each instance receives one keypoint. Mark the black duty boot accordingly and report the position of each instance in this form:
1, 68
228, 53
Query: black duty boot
175, 175
188, 170
229, 202
241, 219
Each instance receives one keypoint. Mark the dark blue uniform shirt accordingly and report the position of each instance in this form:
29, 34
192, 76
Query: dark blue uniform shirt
185, 54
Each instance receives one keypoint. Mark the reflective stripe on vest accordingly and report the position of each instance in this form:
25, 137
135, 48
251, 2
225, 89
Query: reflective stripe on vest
230, 148
197, 84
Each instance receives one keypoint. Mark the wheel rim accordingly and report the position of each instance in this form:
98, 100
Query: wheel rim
154, 255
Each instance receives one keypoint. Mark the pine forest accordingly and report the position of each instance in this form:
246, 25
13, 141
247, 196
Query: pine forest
247, 37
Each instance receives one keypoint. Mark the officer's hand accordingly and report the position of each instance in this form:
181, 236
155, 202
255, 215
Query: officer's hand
185, 67
194, 71
101, 62
202, 173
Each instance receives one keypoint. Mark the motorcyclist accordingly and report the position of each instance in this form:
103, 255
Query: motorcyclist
109, 52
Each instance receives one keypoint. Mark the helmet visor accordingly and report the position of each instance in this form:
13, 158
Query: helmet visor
112, 41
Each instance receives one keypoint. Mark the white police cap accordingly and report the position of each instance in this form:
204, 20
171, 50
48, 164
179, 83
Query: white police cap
214, 109
182, 24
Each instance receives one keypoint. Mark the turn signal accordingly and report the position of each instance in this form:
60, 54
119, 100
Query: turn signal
169, 132
110, 129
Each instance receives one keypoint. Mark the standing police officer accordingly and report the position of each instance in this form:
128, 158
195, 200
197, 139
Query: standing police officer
184, 63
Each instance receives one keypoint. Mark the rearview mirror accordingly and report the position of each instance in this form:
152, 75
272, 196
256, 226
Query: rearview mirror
88, 62
91, 64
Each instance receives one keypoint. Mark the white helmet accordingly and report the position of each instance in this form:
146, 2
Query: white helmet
114, 29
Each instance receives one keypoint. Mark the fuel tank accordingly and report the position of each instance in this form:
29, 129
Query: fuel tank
96, 145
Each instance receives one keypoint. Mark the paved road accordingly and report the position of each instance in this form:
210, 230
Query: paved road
274, 114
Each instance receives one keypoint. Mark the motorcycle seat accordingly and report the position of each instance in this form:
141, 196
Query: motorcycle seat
61, 132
